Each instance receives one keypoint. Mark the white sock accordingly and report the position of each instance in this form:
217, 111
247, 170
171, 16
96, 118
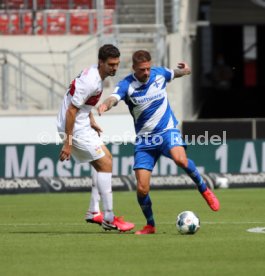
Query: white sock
95, 197
105, 190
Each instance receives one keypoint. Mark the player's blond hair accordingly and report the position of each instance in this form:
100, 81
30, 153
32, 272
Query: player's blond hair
141, 56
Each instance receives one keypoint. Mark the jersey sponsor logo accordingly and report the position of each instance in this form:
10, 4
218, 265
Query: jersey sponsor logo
141, 100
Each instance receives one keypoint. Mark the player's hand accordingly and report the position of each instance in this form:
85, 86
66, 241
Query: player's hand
96, 127
65, 153
184, 67
102, 108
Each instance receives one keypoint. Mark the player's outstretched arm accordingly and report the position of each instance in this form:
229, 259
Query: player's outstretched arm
182, 70
107, 105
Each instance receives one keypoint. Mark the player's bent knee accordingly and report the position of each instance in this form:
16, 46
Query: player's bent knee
142, 190
183, 163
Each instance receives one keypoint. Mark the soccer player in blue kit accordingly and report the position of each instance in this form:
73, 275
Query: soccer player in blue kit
144, 91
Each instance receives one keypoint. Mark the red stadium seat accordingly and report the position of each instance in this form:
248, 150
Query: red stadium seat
56, 22
56, 4
110, 4
59, 4
27, 23
80, 22
108, 19
4, 21
14, 23
40, 4
14, 4
9, 23
82, 4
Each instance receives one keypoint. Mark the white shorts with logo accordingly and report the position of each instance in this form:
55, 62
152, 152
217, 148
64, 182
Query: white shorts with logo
87, 148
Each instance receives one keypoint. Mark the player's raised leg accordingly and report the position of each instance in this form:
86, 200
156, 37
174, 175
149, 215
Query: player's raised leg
104, 175
143, 185
179, 156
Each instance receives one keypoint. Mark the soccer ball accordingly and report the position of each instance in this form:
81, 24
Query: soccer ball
187, 222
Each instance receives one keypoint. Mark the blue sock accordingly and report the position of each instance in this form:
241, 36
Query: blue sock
192, 171
146, 206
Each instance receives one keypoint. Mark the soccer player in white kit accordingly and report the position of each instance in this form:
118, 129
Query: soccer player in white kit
155, 124
76, 123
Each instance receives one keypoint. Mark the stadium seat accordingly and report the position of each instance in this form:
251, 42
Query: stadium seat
14, 4
56, 4
14, 23
56, 22
82, 4
49, 21
9, 23
80, 22
3, 23
108, 19
110, 4
27, 23
40, 4
59, 4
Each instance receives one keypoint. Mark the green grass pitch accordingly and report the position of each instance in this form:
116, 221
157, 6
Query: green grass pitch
45, 234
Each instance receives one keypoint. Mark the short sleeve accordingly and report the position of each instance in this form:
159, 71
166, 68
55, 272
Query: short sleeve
83, 90
167, 73
120, 90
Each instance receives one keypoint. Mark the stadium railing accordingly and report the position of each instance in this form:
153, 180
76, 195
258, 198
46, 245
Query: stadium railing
14, 72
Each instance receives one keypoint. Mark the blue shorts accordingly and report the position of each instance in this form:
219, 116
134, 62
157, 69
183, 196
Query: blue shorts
148, 149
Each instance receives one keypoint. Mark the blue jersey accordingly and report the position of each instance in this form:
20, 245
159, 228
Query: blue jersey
148, 102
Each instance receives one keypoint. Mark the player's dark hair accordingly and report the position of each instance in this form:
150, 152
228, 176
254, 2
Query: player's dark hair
108, 51
141, 56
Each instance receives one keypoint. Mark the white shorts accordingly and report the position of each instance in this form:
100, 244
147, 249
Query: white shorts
87, 148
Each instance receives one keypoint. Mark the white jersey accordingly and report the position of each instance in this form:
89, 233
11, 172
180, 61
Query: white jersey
84, 93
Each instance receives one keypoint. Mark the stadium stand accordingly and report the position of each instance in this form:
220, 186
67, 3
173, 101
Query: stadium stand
82, 4
54, 4
52, 22
52, 17
9, 23
76, 17
27, 23
56, 22
79, 22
